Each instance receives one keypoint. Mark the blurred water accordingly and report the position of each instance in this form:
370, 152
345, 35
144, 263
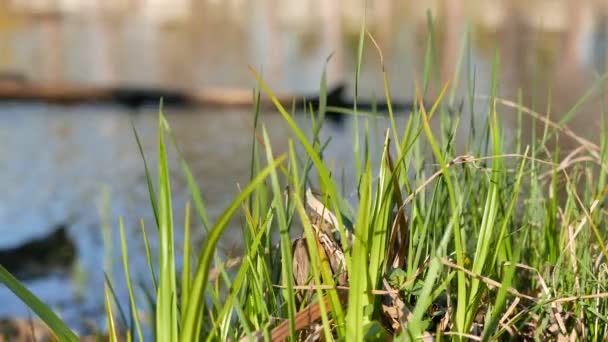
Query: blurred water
56, 160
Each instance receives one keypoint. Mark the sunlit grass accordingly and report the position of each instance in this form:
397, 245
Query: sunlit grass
501, 242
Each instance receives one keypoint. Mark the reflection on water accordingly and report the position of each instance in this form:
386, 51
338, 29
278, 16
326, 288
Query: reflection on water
56, 159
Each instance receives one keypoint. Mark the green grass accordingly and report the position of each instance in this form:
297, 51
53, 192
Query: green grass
499, 242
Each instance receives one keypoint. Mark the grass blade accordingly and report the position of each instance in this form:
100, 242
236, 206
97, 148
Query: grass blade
286, 257
358, 296
166, 311
125, 261
151, 192
192, 318
59, 328
186, 259
112, 334
148, 255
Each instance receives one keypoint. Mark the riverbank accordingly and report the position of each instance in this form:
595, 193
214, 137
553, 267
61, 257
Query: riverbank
505, 240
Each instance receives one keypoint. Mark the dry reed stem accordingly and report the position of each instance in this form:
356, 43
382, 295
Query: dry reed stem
488, 281
592, 148
507, 314
469, 336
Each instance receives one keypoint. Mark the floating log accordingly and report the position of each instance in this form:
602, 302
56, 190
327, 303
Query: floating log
61, 93
13, 89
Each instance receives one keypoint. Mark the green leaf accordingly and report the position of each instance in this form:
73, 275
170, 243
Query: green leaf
61, 331
192, 318
125, 261
166, 311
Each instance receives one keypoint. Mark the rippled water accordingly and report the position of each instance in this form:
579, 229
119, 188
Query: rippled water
60, 163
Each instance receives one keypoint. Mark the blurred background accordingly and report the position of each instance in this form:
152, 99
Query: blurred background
69, 171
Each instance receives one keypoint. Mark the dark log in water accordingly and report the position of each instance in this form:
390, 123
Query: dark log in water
12, 89
41, 257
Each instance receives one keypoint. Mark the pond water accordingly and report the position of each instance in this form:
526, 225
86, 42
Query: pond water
80, 166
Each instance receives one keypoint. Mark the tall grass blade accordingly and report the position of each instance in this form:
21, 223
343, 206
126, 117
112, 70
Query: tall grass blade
358, 296
286, 257
194, 189
166, 311
59, 328
148, 255
151, 192
490, 212
186, 259
125, 262
356, 143
192, 319
326, 183
121, 311
112, 330
455, 220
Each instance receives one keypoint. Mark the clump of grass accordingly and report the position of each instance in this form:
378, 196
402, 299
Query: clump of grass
473, 246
